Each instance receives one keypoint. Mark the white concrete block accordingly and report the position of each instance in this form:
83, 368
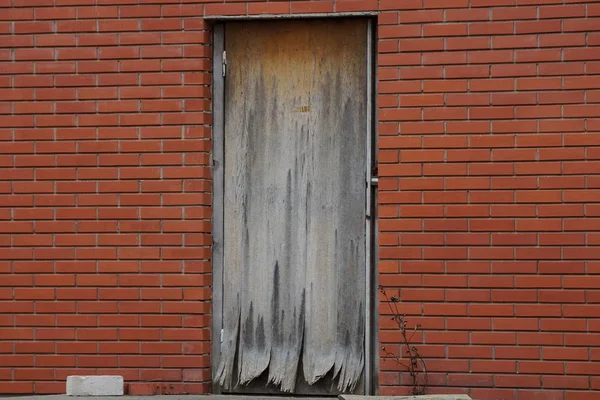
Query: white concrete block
102, 385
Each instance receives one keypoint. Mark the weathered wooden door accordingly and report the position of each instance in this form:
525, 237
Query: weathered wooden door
294, 206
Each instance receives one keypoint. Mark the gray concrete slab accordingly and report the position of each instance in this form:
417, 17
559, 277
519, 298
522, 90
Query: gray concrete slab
238, 397
160, 397
424, 397
65, 397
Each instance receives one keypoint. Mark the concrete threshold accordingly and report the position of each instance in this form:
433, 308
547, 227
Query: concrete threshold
424, 397
236, 397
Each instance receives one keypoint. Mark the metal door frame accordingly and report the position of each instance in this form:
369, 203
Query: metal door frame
370, 373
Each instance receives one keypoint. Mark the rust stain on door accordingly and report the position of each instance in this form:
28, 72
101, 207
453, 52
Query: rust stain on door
294, 230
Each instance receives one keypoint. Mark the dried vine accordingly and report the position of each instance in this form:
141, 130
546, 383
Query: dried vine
415, 367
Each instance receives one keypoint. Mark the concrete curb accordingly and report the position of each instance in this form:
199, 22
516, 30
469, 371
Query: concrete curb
65, 397
425, 397
236, 397
160, 397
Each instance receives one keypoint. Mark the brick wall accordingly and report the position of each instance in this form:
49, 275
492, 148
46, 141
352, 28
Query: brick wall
489, 151
104, 194
490, 190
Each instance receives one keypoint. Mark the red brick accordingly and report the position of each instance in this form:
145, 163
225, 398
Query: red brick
487, 190
269, 8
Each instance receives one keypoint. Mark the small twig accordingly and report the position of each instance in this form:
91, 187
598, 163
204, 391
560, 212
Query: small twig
416, 367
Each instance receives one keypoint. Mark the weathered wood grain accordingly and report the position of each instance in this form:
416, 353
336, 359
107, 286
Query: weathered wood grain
294, 224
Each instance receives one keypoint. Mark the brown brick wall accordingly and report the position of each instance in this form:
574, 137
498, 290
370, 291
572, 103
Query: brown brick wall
489, 163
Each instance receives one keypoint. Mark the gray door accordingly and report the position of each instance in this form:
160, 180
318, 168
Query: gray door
294, 207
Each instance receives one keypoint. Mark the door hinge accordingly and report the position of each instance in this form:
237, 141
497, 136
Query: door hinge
224, 62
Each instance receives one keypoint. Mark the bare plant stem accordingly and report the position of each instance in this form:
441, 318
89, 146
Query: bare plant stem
415, 367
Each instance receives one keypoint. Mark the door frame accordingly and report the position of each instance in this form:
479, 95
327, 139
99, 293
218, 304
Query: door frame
219, 65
